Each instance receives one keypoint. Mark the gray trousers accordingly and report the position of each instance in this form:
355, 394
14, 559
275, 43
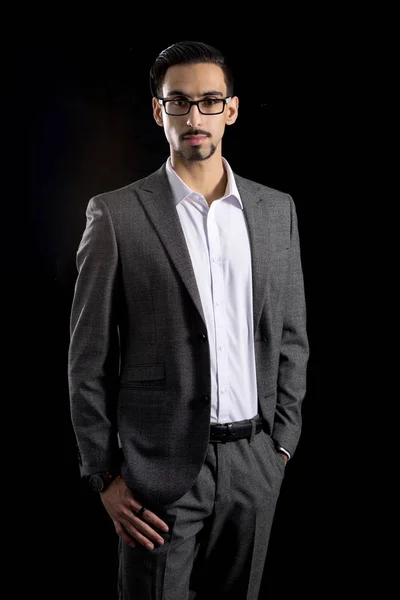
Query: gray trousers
218, 531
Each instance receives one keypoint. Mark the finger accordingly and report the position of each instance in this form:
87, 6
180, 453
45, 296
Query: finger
124, 535
138, 529
140, 537
146, 530
151, 518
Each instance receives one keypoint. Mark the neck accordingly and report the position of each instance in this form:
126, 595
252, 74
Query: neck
206, 177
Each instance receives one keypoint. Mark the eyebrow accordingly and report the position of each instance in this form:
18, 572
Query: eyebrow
182, 93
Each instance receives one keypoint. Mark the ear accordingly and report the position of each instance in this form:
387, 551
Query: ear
157, 112
231, 110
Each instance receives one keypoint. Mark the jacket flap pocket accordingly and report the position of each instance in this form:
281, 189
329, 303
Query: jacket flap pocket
144, 372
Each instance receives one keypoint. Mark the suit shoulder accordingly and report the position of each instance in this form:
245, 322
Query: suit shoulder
122, 195
267, 192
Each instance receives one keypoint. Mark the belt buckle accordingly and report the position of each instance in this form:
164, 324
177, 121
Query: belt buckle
228, 434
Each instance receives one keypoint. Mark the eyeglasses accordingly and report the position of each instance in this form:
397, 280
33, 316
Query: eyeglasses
208, 106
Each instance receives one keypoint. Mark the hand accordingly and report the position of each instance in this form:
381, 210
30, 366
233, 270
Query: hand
285, 458
122, 507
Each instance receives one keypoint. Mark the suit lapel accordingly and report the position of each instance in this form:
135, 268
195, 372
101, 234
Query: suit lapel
157, 199
255, 210
156, 196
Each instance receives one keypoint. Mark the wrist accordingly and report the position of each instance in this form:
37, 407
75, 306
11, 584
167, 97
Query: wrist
99, 482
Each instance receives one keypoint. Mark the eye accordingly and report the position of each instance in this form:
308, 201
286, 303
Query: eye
210, 101
179, 101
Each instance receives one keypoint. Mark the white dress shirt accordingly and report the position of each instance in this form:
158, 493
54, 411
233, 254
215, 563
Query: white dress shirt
219, 247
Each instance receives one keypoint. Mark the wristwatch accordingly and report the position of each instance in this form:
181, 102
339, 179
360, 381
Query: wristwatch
98, 482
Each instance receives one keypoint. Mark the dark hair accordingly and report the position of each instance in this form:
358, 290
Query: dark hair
187, 52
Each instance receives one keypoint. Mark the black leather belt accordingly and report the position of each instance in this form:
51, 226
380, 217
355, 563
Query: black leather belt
230, 432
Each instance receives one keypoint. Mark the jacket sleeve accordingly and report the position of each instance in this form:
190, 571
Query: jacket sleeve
294, 350
93, 357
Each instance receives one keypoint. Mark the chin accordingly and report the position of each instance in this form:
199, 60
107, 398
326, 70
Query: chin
196, 154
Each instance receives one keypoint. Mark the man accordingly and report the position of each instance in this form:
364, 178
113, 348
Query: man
188, 351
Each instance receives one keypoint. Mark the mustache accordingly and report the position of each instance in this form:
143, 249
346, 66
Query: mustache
195, 132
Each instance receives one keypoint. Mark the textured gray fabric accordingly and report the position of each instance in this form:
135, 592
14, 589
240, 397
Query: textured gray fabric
136, 294
218, 531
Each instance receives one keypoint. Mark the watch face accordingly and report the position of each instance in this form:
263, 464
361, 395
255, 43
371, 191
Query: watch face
96, 483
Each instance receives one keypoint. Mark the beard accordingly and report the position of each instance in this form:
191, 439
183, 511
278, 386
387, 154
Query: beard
195, 154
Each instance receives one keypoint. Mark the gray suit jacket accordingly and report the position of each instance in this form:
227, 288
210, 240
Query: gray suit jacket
139, 360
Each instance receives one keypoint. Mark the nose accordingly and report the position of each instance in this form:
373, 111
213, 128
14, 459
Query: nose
194, 118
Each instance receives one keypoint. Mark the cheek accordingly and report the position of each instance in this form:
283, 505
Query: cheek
218, 130
171, 133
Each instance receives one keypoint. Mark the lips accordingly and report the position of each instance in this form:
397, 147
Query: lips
194, 139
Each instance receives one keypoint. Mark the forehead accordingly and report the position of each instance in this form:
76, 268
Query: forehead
194, 79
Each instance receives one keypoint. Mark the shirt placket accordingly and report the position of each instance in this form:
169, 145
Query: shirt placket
219, 307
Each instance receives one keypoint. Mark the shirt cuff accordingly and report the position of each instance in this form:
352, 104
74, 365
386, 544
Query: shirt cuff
284, 451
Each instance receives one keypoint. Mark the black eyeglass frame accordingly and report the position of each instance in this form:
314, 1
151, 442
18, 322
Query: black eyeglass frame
164, 101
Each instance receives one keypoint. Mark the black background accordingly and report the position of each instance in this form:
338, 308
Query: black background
90, 129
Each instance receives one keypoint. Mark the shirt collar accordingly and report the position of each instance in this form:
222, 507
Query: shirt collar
180, 190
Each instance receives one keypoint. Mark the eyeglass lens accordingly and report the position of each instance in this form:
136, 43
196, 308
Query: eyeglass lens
209, 106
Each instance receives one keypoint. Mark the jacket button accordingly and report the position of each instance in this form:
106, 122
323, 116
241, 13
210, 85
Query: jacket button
202, 337
205, 398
